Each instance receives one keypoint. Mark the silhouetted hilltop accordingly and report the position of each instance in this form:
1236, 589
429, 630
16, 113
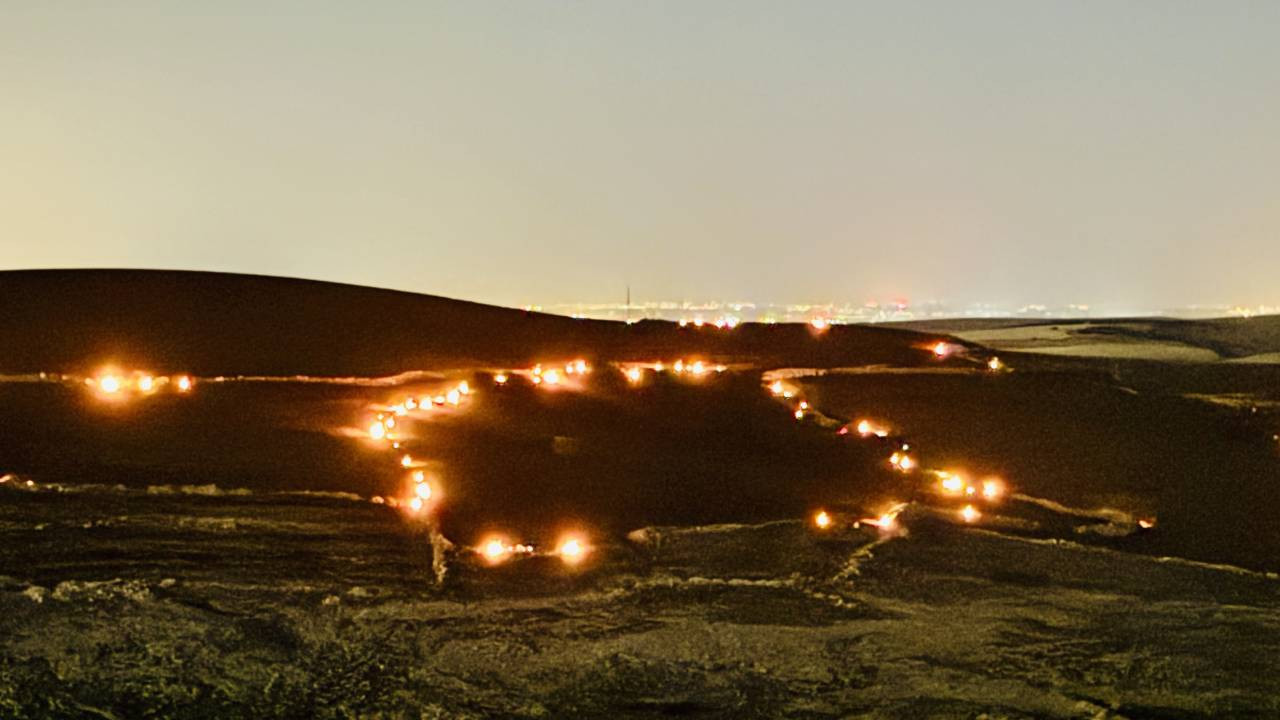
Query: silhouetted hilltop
219, 323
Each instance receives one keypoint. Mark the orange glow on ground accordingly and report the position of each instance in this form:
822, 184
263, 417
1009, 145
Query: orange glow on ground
992, 489
953, 484
572, 549
495, 550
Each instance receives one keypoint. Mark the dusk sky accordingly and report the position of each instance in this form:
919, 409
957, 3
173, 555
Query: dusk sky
538, 152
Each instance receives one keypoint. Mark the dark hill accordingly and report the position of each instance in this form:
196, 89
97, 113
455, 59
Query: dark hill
216, 323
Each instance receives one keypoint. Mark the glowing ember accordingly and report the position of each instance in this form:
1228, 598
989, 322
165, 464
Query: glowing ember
1146, 524
864, 428
678, 367
633, 374
994, 364
422, 491
698, 368
941, 350
953, 484
580, 366
377, 431
969, 513
804, 405
406, 461
109, 384
571, 549
415, 504
500, 379
146, 383
551, 377
453, 397
799, 414
822, 520
992, 489
494, 550
888, 520
464, 387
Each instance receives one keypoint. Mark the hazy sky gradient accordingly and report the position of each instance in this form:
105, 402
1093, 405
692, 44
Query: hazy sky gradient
1022, 151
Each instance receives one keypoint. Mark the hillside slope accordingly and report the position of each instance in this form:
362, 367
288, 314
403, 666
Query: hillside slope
215, 323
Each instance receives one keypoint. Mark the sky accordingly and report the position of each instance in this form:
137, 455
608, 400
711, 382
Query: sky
545, 152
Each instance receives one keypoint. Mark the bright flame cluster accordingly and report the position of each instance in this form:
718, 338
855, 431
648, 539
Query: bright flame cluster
550, 377
902, 462
383, 425
955, 484
112, 384
866, 428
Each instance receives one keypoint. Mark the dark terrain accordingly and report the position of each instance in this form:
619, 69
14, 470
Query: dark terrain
225, 553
